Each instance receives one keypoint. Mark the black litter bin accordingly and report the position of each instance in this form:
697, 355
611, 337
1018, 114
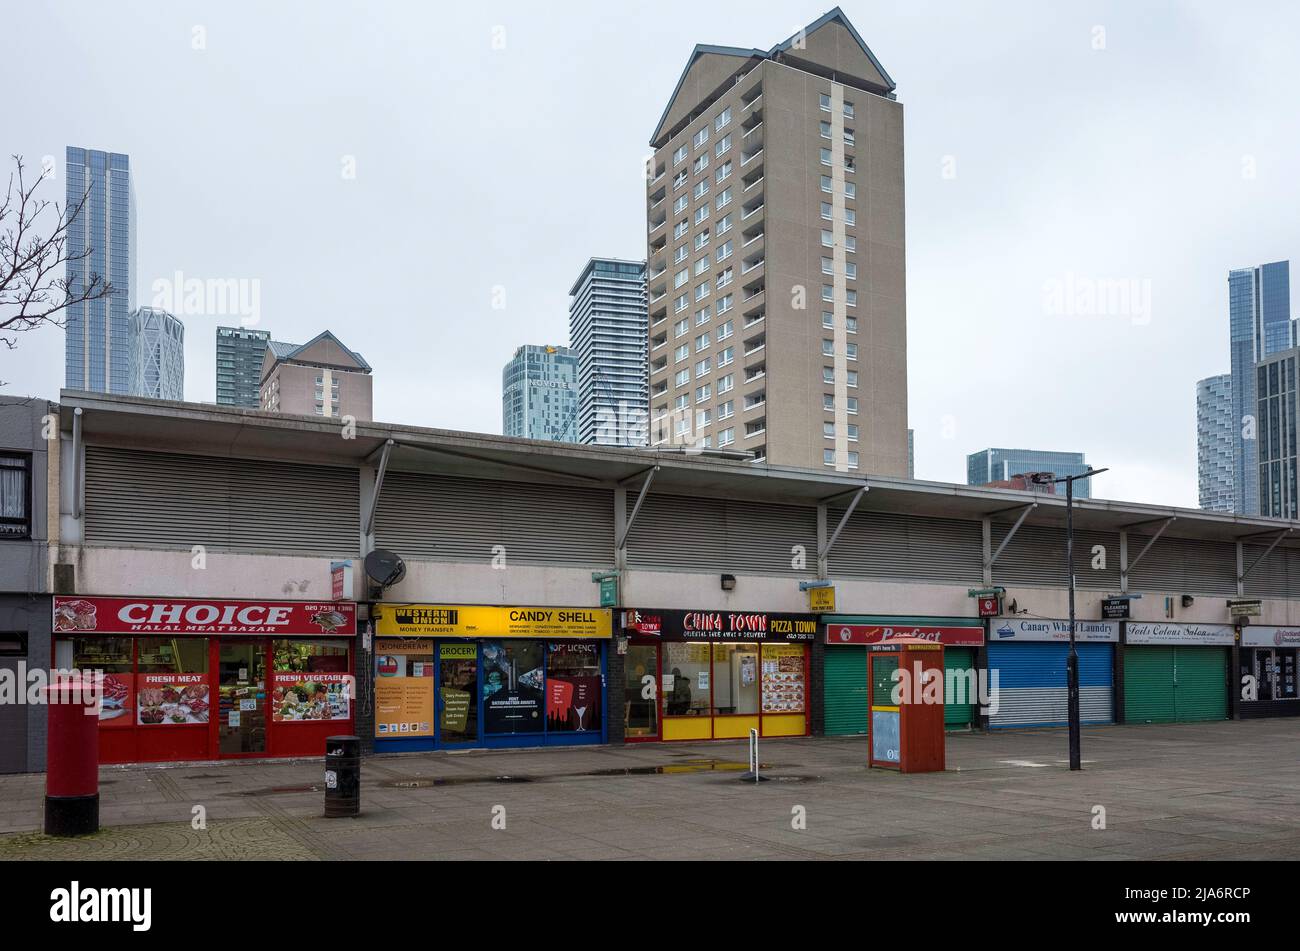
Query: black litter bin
342, 776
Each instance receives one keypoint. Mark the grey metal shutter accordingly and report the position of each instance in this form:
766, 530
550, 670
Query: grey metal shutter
888, 545
453, 519
1036, 556
1278, 576
1181, 564
170, 500
681, 532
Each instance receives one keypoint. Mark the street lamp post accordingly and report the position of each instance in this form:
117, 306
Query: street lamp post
1072, 661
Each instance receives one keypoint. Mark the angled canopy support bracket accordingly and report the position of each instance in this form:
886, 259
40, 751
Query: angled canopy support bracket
379, 486
1024, 514
825, 550
631, 519
1277, 540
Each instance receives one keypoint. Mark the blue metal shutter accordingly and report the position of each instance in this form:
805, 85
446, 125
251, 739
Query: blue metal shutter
1031, 684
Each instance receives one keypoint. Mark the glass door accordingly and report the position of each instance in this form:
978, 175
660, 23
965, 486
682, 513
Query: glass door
641, 692
241, 695
457, 694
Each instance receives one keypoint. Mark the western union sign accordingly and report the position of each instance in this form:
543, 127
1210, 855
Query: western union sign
476, 620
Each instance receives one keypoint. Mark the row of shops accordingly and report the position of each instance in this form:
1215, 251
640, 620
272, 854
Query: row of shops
193, 679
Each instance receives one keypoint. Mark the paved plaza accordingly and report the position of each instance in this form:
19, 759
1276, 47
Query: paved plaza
1225, 790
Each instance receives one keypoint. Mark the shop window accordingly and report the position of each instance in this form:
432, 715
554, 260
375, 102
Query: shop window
404, 673
686, 680
512, 687
115, 657
735, 679
641, 670
784, 678
310, 681
458, 693
1274, 672
172, 681
13, 644
573, 682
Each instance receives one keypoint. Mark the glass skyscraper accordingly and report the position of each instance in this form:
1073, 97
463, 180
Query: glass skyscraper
1214, 438
608, 331
1259, 311
240, 354
999, 465
539, 394
1278, 406
97, 346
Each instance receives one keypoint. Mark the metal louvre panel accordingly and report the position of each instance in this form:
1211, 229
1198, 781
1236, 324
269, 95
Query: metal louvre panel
1272, 578
885, 545
452, 519
1031, 684
170, 500
1179, 564
677, 532
1036, 555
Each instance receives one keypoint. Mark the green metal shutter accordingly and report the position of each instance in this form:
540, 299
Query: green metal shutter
1200, 684
956, 715
1149, 685
845, 691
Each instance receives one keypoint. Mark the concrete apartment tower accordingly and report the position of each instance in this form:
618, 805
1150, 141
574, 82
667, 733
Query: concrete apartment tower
321, 377
607, 329
1215, 436
775, 257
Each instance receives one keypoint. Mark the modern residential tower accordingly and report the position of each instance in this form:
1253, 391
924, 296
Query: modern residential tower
1277, 408
539, 394
1003, 465
156, 343
240, 354
607, 331
97, 343
1214, 439
777, 299
1259, 310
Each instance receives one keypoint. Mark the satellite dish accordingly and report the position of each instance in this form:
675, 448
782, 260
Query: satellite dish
385, 568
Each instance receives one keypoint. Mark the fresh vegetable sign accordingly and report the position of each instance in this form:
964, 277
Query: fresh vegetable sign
310, 696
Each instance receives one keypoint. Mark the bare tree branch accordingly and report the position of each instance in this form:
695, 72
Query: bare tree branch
34, 288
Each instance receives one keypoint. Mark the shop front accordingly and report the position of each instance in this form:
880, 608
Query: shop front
1268, 658
715, 675
280, 674
845, 680
1030, 656
458, 676
1176, 673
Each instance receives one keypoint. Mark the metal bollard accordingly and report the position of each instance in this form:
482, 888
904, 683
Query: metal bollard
342, 776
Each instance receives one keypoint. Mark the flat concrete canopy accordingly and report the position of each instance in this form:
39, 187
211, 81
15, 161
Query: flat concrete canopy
196, 428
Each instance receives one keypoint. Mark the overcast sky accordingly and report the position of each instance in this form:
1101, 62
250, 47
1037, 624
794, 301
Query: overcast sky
1050, 147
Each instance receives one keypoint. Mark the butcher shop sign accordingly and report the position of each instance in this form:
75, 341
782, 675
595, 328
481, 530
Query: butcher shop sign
203, 617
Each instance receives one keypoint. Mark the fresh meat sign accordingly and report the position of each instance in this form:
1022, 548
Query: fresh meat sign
177, 616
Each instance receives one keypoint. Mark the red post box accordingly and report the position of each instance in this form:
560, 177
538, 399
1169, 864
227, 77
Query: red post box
72, 747
905, 712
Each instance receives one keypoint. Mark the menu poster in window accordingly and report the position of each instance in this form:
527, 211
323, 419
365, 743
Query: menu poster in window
310, 696
118, 700
574, 701
512, 698
403, 687
783, 678
172, 699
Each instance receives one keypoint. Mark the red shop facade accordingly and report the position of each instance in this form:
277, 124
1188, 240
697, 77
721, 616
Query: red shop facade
203, 679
